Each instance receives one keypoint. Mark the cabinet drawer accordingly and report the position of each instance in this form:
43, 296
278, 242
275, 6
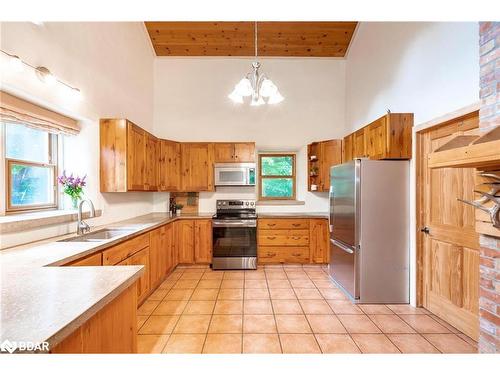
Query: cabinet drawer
283, 223
91, 260
283, 238
122, 251
271, 254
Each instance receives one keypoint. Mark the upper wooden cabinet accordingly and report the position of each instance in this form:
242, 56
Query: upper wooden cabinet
197, 166
235, 152
169, 166
128, 157
322, 156
388, 137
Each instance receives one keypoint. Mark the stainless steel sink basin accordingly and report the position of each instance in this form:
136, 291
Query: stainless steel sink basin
99, 235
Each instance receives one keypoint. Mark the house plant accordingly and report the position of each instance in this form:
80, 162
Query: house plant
72, 186
178, 209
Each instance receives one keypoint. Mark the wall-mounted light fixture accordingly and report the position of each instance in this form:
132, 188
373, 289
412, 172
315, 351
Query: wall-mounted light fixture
44, 74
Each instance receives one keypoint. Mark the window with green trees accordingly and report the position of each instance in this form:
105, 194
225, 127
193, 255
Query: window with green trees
276, 176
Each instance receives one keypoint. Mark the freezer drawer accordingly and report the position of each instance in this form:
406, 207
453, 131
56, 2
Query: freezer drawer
342, 267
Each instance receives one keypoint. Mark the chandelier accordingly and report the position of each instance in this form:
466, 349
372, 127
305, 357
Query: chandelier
256, 85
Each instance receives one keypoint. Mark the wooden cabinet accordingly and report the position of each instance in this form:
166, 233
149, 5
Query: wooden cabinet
158, 256
128, 157
91, 260
359, 144
169, 166
348, 148
185, 241
319, 241
235, 152
197, 166
321, 157
141, 258
203, 241
124, 250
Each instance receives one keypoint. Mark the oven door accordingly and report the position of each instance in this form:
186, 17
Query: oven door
234, 238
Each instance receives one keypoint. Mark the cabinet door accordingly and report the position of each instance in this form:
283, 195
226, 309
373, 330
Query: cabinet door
330, 155
377, 139
203, 241
140, 258
169, 169
359, 144
170, 259
347, 152
224, 152
151, 177
197, 166
157, 256
244, 152
319, 240
185, 241
136, 157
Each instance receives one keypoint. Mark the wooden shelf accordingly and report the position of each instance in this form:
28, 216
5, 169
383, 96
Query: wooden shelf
468, 151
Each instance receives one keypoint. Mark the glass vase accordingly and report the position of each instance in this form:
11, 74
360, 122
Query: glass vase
74, 203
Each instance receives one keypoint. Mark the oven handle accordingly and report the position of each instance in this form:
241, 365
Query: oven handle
234, 224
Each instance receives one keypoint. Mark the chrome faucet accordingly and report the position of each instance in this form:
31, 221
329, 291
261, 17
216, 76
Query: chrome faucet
82, 226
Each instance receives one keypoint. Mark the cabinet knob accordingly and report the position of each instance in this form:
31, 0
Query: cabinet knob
271, 237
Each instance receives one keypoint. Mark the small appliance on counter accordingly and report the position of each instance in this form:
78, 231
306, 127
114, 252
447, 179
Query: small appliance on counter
234, 228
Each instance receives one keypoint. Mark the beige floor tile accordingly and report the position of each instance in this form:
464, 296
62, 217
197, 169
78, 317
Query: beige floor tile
296, 275
325, 324
167, 284
259, 324
275, 275
260, 293
234, 275
151, 343
358, 324
374, 343
333, 294
424, 324
407, 309
261, 343
255, 275
179, 294
186, 284
391, 324
315, 306
375, 309
195, 269
170, 308
209, 284
193, 324
292, 324
226, 324
450, 343
191, 277
299, 344
412, 343
232, 283
147, 307
255, 284
185, 344
336, 343
467, 339
199, 307
159, 325
259, 306
204, 294
158, 294
223, 343
141, 319
215, 275
282, 293
445, 324
324, 284
287, 306
278, 284
230, 294
344, 307
309, 293
302, 283
228, 307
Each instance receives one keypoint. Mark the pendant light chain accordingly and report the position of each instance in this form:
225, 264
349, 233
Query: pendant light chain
255, 40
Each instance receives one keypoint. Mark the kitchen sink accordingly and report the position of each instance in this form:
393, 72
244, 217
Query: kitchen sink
99, 235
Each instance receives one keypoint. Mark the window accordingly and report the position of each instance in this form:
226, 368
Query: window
31, 160
276, 176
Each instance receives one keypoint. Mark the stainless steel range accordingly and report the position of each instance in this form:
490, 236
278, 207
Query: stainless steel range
235, 235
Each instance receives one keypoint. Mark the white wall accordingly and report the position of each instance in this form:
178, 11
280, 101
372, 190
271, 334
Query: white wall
112, 64
191, 104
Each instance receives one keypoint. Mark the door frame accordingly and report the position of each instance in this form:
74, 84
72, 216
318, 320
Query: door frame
418, 133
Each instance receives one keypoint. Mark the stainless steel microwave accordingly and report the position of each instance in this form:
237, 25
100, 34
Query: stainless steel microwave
235, 174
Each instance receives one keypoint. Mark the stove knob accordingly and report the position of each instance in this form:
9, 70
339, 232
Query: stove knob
251, 203
246, 203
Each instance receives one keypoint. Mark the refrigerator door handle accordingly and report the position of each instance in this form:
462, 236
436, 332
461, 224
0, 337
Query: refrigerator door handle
330, 216
341, 246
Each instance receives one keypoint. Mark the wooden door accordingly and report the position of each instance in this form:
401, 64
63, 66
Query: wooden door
169, 169
136, 157
359, 144
224, 152
450, 249
203, 241
151, 177
347, 152
330, 155
185, 241
197, 166
319, 240
377, 138
244, 152
143, 284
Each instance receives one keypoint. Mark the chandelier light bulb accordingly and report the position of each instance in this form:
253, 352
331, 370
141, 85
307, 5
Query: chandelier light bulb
235, 97
268, 88
257, 101
244, 87
275, 98
16, 64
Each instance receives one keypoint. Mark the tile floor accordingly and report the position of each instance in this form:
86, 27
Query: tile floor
281, 309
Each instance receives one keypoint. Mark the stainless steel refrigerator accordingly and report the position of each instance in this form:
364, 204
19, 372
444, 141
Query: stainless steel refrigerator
369, 230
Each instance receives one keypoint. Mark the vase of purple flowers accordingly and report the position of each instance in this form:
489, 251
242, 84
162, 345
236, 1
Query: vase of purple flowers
72, 186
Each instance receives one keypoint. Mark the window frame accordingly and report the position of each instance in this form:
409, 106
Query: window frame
52, 164
293, 176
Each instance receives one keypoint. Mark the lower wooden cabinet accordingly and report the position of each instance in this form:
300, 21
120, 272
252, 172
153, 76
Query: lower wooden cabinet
193, 241
140, 258
319, 240
184, 241
203, 241
88, 261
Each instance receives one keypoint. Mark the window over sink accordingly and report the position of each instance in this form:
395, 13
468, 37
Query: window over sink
277, 178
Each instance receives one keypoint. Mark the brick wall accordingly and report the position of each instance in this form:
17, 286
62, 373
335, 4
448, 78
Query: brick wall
489, 117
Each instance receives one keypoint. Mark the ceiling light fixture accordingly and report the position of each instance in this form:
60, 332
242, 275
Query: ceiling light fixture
256, 84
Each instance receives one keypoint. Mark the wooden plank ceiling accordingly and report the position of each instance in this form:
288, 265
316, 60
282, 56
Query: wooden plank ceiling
298, 39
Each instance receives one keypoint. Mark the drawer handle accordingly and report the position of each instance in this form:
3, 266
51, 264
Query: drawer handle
296, 238
271, 225
296, 254
296, 225
271, 237
271, 254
